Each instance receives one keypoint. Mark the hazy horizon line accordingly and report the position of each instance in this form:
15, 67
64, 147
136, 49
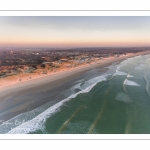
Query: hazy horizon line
68, 47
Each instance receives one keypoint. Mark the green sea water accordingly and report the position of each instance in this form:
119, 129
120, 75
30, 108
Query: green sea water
116, 101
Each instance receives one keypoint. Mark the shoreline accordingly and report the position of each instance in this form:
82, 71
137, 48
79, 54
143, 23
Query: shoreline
66, 74
46, 83
85, 67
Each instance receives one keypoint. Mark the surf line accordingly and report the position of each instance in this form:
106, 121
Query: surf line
111, 76
99, 114
124, 88
124, 83
68, 120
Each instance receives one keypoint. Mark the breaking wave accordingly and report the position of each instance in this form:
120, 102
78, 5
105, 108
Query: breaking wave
39, 121
131, 83
129, 76
120, 66
119, 73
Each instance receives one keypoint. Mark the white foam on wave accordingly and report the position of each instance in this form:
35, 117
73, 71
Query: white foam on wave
77, 86
39, 121
120, 73
129, 76
79, 81
131, 83
121, 65
72, 90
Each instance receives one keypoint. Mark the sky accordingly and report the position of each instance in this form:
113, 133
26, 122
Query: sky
75, 31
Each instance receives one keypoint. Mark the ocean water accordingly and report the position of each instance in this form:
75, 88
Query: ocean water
116, 101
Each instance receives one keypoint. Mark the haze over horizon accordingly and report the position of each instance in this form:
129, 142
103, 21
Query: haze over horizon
74, 31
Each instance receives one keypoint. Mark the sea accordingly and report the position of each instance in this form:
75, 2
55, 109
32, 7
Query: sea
110, 100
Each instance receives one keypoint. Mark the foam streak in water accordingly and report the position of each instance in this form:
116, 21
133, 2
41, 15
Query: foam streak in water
39, 121
129, 76
120, 73
131, 83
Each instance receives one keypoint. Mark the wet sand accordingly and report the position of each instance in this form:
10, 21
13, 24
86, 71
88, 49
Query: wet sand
9, 108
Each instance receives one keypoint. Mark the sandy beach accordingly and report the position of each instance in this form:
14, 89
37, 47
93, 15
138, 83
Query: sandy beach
44, 83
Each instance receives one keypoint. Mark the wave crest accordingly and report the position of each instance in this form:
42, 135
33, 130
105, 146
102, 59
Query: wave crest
131, 83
